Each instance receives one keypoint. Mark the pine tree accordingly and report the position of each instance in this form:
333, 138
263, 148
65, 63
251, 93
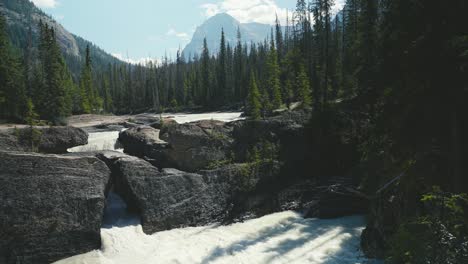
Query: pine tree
108, 104
12, 81
180, 75
350, 46
326, 11
52, 79
279, 39
205, 95
274, 76
222, 93
238, 70
90, 99
303, 88
253, 101
289, 92
367, 46
31, 117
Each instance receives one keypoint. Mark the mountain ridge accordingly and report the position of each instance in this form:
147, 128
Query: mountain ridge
23, 17
211, 29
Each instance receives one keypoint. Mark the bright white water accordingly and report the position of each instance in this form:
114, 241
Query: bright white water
106, 140
99, 141
187, 118
278, 238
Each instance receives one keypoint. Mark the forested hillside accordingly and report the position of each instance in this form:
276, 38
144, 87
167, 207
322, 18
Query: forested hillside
23, 29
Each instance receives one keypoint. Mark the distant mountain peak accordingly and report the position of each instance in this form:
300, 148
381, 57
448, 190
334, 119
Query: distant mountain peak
222, 16
211, 30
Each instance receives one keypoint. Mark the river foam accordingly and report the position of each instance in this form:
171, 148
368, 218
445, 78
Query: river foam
278, 238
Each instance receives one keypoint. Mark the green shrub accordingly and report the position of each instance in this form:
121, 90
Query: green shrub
439, 236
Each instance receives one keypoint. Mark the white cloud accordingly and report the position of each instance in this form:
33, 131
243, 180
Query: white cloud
211, 9
45, 3
140, 61
173, 33
339, 4
246, 11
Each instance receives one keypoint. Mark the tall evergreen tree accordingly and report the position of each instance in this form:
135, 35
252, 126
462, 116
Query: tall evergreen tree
90, 101
52, 79
222, 93
205, 75
253, 101
239, 67
274, 76
303, 88
12, 81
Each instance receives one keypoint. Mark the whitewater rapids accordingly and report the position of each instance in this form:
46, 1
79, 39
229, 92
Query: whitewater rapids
107, 140
278, 238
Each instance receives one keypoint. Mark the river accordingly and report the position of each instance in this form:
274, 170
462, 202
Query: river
284, 237
107, 140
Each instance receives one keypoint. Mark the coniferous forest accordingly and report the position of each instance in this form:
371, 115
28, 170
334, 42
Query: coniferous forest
388, 77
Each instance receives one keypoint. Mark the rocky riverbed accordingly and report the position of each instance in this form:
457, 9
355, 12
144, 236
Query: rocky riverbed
172, 175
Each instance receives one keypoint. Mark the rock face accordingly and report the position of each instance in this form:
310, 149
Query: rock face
171, 198
9, 142
286, 130
53, 140
142, 141
195, 146
188, 147
51, 206
58, 139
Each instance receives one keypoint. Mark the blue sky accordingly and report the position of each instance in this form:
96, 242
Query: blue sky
138, 29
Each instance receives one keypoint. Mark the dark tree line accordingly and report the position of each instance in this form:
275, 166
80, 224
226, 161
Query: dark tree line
288, 67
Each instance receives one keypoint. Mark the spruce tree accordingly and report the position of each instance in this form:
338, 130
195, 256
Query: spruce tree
31, 118
12, 82
52, 79
90, 99
238, 66
205, 95
303, 88
279, 40
253, 100
274, 76
222, 93
289, 92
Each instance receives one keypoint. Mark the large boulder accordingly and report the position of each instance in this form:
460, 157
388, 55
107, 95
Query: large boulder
52, 140
188, 147
287, 131
52, 206
171, 198
10, 142
141, 141
58, 139
195, 146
